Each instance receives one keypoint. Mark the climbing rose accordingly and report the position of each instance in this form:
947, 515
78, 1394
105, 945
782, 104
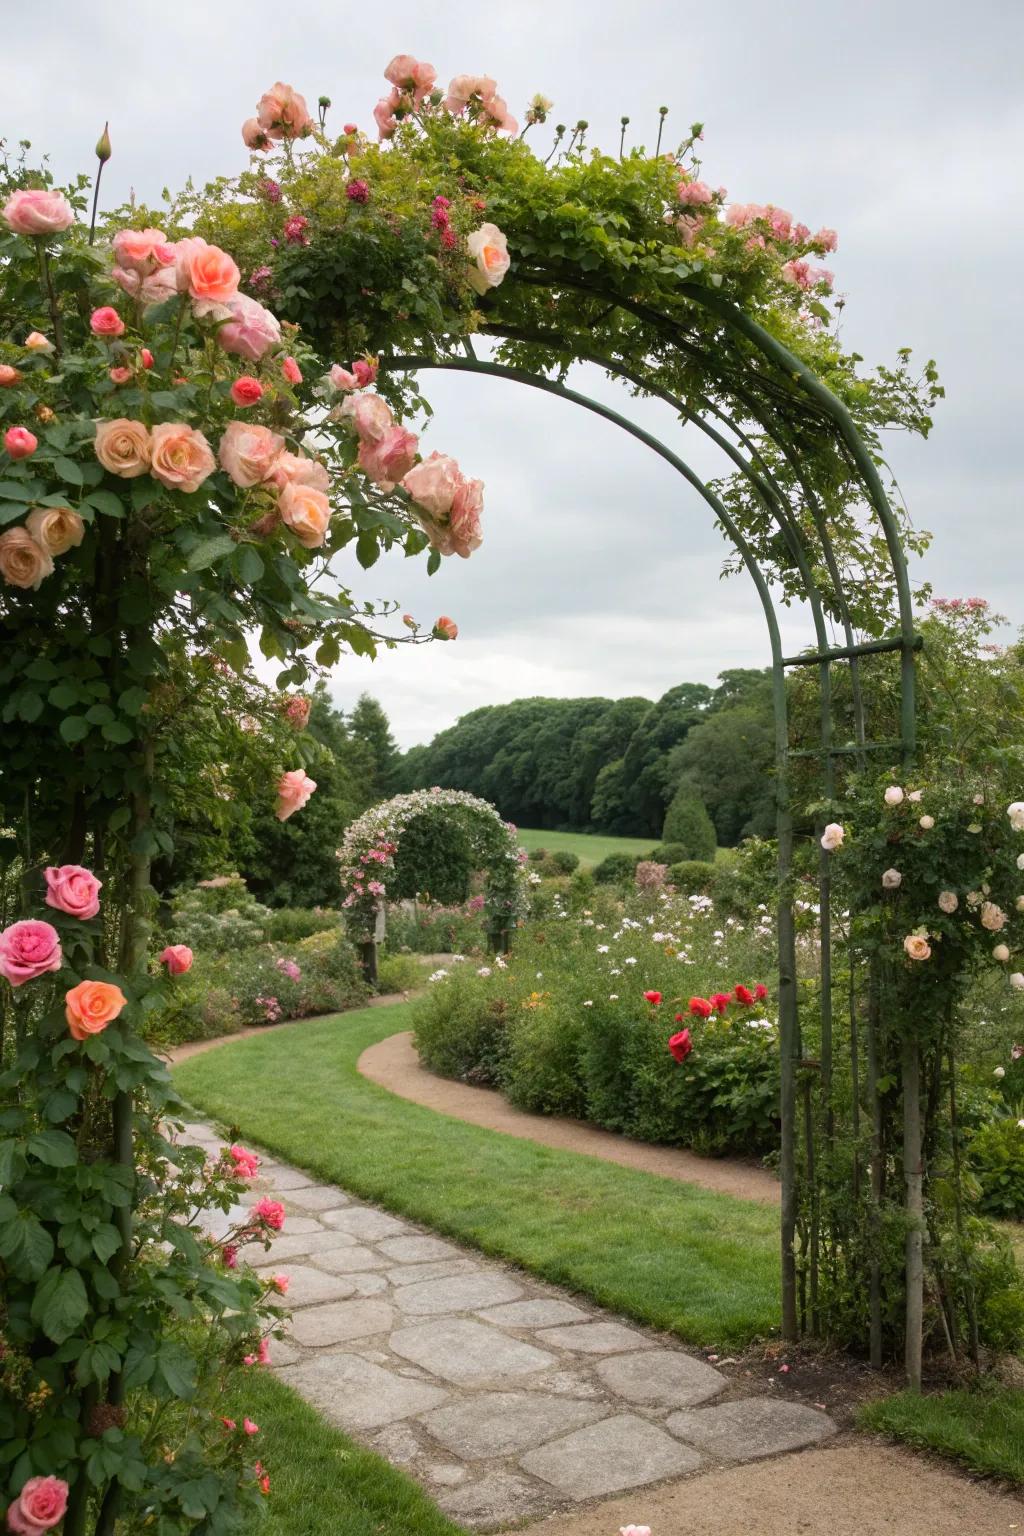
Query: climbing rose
917, 946
894, 795
246, 390
20, 442
1016, 815
743, 995
91, 1006
293, 791
410, 74
948, 901
700, 1007
23, 562
106, 322
369, 414
251, 331
282, 113
8, 375
177, 958
1001, 953
253, 135
992, 917
654, 998
390, 457
445, 628
35, 341
72, 889
212, 273
249, 452
694, 192
1017, 981
270, 1213
33, 211
832, 837
182, 458
142, 250
55, 529
296, 469
926, 823
680, 1045
123, 447
463, 88
433, 483
29, 949
296, 711
307, 512
39, 1506
291, 371
891, 880
489, 250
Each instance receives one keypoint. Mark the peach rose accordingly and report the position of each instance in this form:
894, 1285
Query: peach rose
832, 837
184, 250
917, 946
296, 469
390, 457
41, 1504
433, 484
445, 628
282, 113
212, 275
143, 250
177, 958
124, 447
369, 414
307, 512
463, 88
464, 519
182, 458
72, 889
251, 330
293, 790
35, 341
23, 562
249, 453
55, 529
992, 917
948, 901
8, 375
91, 1006
489, 250
253, 136
33, 211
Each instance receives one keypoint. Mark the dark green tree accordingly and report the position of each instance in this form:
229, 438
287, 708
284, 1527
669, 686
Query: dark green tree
688, 824
369, 724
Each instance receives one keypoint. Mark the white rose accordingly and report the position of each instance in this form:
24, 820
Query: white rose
999, 1072
1017, 981
948, 901
1001, 953
1016, 815
1020, 861
894, 795
832, 837
915, 796
1020, 903
926, 823
891, 880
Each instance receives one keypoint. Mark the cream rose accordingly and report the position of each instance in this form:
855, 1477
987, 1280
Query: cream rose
948, 901
489, 250
917, 946
307, 512
992, 917
23, 562
832, 837
894, 795
55, 529
891, 880
1001, 953
182, 458
123, 447
1016, 815
926, 823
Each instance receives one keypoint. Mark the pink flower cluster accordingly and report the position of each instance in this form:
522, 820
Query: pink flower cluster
362, 373
387, 451
381, 855
281, 114
447, 505
959, 604
245, 1164
412, 89
289, 968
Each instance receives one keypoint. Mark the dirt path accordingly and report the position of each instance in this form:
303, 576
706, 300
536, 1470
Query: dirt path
395, 1065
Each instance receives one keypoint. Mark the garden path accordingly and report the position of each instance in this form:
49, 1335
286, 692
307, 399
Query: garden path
395, 1064
505, 1397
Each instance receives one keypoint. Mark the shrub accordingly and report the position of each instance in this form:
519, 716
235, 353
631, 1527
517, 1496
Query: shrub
616, 869
286, 925
745, 879
399, 973
688, 824
997, 1158
218, 915
461, 1033
540, 1067
692, 877
649, 877
435, 857
538, 855
668, 853
425, 928
564, 861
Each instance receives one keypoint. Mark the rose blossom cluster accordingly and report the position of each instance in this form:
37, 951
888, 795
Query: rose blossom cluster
446, 504
413, 89
281, 116
27, 551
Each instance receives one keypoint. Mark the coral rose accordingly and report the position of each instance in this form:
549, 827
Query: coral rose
55, 529
177, 958
917, 946
91, 1006
293, 790
463, 88
680, 1045
33, 211
246, 390
20, 442
307, 512
29, 949
212, 274
254, 135
249, 453
270, 1212
142, 250
384, 114
23, 562
390, 457
182, 458
41, 1504
282, 113
445, 628
106, 322
72, 889
124, 447
251, 331
290, 371
489, 250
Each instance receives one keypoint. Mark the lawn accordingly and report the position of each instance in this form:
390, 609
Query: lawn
322, 1484
701, 1265
590, 849
983, 1430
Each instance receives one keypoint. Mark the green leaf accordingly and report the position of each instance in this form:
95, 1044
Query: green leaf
105, 502
12, 510
60, 1303
68, 470
25, 1244
74, 728
248, 566
367, 550
132, 701
106, 1241
12, 1162
209, 551
63, 696
61, 1103
176, 1367
117, 732
99, 714
54, 1148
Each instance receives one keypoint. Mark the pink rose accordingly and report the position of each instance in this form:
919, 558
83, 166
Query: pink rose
826, 240
152, 289
307, 512
212, 274
40, 1506
20, 442
464, 519
120, 375
8, 375
291, 372
445, 628
296, 469
463, 88
282, 113
433, 484
780, 221
36, 212
489, 250
23, 561
409, 74
106, 322
245, 391
270, 1213
342, 380
796, 272
72, 889
251, 331
55, 529
390, 457
177, 958
369, 414
29, 949
123, 447
254, 135
246, 1164
182, 458
384, 114
694, 193
293, 790
365, 370
248, 452
143, 250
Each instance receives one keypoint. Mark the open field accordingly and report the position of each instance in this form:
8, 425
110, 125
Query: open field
590, 849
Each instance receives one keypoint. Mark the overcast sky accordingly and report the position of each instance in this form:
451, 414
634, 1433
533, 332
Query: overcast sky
898, 122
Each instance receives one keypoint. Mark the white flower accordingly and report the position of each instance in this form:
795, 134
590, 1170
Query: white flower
484, 970
602, 949
1001, 953
1020, 861
915, 796
992, 917
533, 877
629, 960
1020, 903
540, 975
891, 880
975, 827
926, 823
613, 997
1020, 1125
589, 1003
458, 959
999, 1072
1017, 981
1016, 815
832, 837
500, 963
614, 971
977, 799
438, 976
894, 795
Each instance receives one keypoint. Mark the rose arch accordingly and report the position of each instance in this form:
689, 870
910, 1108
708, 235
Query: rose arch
373, 843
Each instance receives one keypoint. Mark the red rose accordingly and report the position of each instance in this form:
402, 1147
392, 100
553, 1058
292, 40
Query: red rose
679, 1018
743, 995
701, 1007
653, 997
681, 1045
760, 992
720, 1001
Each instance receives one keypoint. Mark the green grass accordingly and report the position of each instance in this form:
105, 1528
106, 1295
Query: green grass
321, 1483
701, 1265
590, 850
983, 1430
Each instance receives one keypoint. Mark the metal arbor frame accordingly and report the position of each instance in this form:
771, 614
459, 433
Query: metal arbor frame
730, 433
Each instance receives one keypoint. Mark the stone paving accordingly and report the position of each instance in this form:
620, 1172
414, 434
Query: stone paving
505, 1399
